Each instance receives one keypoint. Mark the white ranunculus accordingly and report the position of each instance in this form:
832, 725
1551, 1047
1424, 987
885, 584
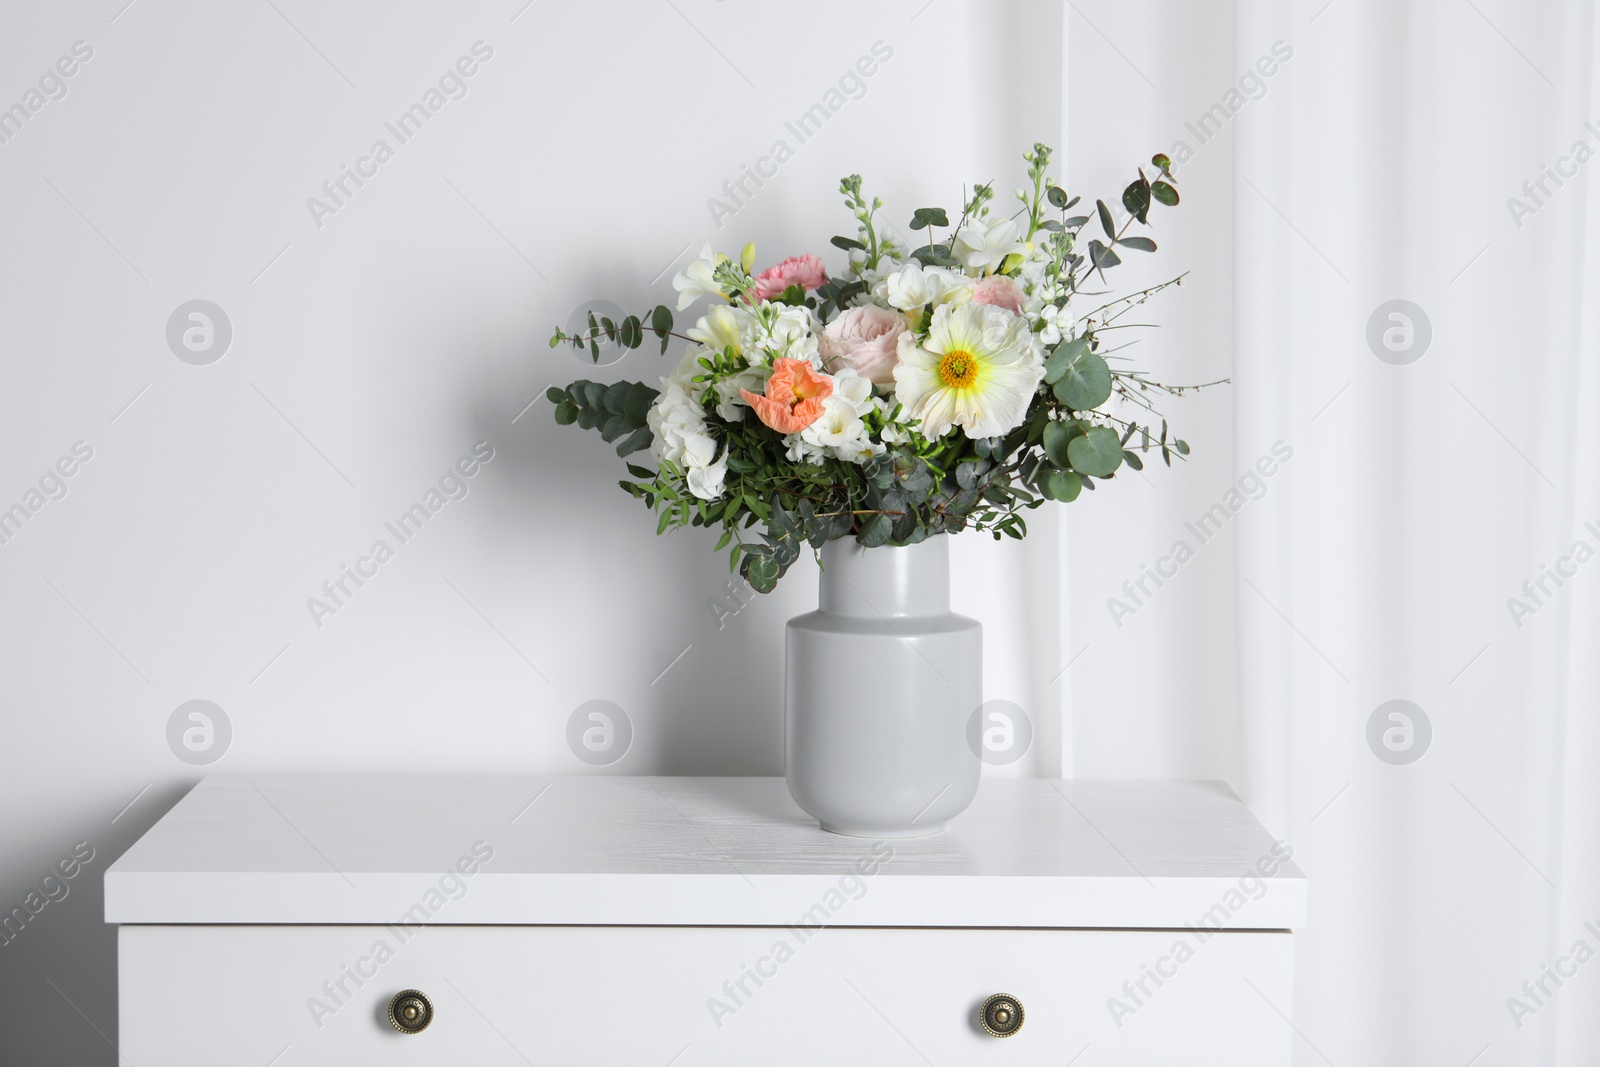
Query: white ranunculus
983, 244
914, 286
697, 279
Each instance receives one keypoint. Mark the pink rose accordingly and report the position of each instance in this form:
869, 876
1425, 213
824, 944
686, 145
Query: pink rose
805, 271
1000, 291
865, 339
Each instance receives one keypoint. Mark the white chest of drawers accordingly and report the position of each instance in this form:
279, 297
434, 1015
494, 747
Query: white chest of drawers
698, 921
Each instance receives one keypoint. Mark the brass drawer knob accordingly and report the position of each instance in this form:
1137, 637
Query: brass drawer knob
1002, 1015
410, 1011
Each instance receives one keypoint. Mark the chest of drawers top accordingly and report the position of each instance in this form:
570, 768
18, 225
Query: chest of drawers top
632, 851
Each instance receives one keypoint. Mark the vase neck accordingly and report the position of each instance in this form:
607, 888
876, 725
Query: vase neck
887, 582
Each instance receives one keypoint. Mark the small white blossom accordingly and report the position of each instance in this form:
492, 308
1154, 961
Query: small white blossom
697, 279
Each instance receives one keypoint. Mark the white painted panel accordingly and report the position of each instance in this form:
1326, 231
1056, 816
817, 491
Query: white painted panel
194, 996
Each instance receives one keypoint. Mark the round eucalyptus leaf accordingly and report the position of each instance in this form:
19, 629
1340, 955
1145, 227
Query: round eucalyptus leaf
1097, 452
1064, 486
762, 573
1057, 435
1086, 384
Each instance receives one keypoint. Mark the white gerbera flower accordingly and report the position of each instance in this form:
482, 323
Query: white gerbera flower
978, 369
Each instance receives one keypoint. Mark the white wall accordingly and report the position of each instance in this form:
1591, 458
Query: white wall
1155, 692
371, 351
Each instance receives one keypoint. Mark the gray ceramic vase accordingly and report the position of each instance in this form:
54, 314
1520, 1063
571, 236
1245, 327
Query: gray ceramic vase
881, 682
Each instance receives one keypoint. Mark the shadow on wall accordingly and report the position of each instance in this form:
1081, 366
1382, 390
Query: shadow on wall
58, 956
702, 675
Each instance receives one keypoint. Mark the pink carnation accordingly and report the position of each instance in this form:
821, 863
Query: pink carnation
866, 339
999, 291
805, 271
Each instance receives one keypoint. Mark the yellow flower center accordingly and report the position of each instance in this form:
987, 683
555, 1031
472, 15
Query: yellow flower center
958, 369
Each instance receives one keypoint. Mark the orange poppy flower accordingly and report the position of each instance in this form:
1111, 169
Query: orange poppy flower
793, 398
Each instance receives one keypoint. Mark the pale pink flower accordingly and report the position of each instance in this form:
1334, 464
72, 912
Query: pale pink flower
805, 271
999, 291
865, 339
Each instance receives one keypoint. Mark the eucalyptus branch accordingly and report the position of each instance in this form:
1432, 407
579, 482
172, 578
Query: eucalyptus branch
1133, 299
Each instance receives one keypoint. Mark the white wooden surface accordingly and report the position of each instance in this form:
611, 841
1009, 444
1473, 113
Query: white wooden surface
198, 996
331, 848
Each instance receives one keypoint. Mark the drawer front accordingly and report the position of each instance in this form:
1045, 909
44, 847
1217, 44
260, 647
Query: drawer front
701, 996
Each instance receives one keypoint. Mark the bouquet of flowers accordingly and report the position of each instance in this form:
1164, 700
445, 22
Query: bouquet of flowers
921, 391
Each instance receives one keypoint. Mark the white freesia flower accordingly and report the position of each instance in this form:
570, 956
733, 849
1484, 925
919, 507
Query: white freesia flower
802, 451
892, 433
838, 425
841, 431
697, 279
983, 244
851, 388
721, 327
914, 286
978, 369
859, 451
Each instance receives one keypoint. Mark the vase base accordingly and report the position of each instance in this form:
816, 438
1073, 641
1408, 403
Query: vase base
846, 830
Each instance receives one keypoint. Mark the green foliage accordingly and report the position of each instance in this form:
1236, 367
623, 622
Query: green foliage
629, 333
618, 410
